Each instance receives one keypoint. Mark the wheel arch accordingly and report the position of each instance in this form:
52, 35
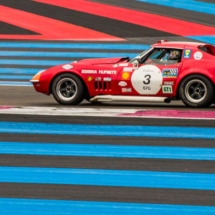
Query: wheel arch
190, 74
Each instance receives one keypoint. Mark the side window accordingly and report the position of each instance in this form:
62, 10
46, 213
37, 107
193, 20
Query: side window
163, 56
207, 49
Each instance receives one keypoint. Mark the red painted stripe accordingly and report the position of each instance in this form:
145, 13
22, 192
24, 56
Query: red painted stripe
172, 114
21, 37
43, 37
49, 28
2, 107
162, 23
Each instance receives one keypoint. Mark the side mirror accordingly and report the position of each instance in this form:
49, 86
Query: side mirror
136, 63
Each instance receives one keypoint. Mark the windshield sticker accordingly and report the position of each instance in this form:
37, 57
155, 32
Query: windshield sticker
198, 55
170, 73
84, 71
127, 69
187, 53
90, 78
167, 89
125, 75
107, 79
126, 90
98, 79
67, 66
122, 84
123, 64
168, 82
107, 72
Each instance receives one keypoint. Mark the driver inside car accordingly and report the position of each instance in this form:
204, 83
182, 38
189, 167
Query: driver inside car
174, 55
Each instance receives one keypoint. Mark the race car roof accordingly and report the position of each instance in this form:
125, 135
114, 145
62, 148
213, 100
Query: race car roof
177, 44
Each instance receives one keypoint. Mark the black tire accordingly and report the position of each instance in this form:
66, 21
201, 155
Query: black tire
68, 89
196, 91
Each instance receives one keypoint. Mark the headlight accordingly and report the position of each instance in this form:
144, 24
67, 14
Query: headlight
36, 78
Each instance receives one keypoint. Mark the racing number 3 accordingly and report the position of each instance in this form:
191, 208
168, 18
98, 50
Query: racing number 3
147, 79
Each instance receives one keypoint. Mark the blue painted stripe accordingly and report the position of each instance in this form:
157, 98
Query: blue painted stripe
43, 62
64, 54
23, 77
15, 84
107, 130
18, 71
55, 45
12, 206
95, 150
34, 62
206, 39
192, 5
98, 177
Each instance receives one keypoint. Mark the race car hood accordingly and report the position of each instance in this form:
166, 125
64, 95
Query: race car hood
99, 61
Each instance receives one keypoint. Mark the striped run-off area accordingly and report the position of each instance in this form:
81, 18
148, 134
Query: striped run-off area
19, 61
65, 38
87, 165
102, 162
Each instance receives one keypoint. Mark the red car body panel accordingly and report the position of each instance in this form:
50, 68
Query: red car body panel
113, 73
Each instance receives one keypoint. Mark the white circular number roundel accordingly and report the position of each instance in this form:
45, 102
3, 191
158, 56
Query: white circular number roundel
147, 80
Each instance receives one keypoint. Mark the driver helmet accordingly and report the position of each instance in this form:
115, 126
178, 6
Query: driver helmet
174, 55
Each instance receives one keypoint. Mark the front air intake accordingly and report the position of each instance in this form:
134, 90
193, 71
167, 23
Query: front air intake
102, 84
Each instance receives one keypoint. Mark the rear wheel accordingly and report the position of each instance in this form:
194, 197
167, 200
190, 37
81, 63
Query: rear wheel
68, 89
196, 91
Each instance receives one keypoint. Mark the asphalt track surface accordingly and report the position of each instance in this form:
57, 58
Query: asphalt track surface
26, 96
22, 96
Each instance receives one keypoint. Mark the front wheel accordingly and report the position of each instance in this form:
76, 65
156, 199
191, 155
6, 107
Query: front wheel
196, 91
68, 89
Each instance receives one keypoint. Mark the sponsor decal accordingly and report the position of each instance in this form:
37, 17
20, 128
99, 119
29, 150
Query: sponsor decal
67, 66
146, 88
107, 72
126, 90
187, 53
90, 78
122, 84
198, 55
107, 79
125, 75
147, 70
123, 64
147, 80
170, 73
167, 89
168, 82
85, 71
128, 69
98, 79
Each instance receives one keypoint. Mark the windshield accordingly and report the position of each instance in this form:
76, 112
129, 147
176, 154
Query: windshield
140, 55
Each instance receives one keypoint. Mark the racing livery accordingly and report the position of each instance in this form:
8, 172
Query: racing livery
167, 71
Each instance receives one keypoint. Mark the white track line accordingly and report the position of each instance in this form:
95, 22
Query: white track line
106, 112
65, 111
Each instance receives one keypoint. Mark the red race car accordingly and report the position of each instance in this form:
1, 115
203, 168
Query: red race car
167, 71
